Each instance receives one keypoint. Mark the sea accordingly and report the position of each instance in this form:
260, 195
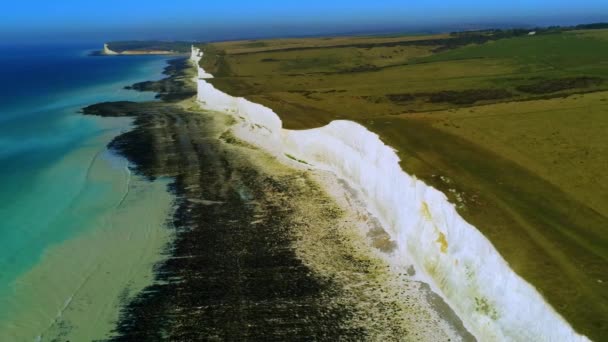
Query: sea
79, 233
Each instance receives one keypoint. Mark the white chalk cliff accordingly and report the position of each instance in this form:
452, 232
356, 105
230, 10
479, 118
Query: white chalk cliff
107, 51
449, 254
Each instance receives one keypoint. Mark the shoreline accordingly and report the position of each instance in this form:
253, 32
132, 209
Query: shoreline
82, 220
258, 241
113, 265
98, 268
106, 51
483, 312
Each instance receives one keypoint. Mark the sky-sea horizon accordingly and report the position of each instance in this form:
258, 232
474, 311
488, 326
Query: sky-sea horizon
97, 21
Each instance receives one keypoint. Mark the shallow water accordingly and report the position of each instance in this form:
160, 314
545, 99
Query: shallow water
69, 207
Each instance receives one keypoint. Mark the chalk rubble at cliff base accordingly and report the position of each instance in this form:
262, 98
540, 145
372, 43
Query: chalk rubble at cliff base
452, 256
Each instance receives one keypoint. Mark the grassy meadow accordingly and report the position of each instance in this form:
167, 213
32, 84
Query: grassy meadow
512, 127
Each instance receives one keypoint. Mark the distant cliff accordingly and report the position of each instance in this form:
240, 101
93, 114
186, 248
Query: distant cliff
107, 51
146, 48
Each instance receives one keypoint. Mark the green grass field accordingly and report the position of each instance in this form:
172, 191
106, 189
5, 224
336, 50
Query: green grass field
517, 125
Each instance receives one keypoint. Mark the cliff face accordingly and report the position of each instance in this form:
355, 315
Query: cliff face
196, 57
458, 262
107, 51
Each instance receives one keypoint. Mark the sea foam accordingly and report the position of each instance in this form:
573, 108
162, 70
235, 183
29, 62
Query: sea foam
449, 254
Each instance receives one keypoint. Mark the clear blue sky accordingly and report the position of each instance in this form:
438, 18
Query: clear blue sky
220, 19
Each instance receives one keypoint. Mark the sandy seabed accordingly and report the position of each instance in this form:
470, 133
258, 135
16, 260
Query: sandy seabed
76, 291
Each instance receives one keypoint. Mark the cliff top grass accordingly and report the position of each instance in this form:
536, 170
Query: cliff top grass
511, 126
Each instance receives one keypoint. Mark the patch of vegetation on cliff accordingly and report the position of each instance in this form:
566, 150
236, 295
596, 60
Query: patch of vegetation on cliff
462, 97
295, 159
214, 61
555, 85
469, 96
401, 97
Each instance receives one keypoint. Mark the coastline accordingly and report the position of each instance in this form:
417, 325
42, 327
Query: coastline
431, 236
106, 51
258, 242
322, 199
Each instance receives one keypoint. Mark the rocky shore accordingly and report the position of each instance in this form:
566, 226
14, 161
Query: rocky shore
261, 251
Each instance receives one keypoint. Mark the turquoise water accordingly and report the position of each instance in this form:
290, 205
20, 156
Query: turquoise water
47, 149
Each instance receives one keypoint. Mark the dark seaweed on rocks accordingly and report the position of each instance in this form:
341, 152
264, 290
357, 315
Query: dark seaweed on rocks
177, 87
231, 272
